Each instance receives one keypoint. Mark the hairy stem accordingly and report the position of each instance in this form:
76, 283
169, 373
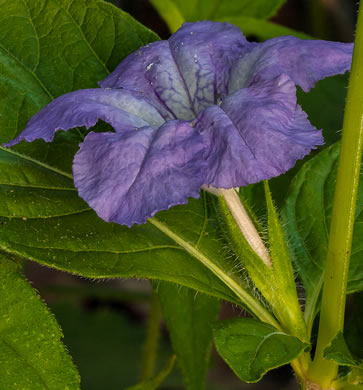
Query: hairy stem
323, 371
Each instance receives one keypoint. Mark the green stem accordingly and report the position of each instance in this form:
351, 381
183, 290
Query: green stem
323, 371
152, 339
250, 302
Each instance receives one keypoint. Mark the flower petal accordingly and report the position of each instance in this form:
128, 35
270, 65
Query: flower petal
121, 109
127, 177
257, 133
186, 73
304, 61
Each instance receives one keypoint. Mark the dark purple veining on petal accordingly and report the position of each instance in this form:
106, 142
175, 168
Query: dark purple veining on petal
152, 72
186, 73
127, 177
121, 109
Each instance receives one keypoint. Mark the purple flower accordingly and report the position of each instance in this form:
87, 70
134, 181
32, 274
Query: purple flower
204, 107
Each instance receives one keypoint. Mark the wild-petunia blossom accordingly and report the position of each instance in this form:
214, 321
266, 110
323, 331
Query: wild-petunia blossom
205, 107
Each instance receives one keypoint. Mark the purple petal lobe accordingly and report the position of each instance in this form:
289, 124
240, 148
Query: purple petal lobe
153, 72
257, 133
121, 109
304, 61
127, 177
185, 74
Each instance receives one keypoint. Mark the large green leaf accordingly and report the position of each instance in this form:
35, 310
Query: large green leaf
32, 355
262, 9
175, 12
51, 47
338, 351
48, 48
308, 212
261, 28
84, 244
194, 10
60, 46
188, 317
251, 348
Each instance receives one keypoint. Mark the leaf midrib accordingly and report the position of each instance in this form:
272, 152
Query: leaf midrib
38, 187
243, 296
37, 162
257, 350
156, 247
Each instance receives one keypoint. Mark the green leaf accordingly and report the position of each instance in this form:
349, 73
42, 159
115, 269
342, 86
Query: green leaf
329, 117
262, 29
189, 316
338, 351
156, 381
285, 302
278, 249
252, 348
272, 284
84, 244
48, 48
31, 353
175, 12
262, 9
307, 214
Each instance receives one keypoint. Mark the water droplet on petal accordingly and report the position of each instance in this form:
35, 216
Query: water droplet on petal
149, 66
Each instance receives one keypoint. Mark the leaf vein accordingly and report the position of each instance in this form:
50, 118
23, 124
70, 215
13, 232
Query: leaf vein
84, 37
37, 162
